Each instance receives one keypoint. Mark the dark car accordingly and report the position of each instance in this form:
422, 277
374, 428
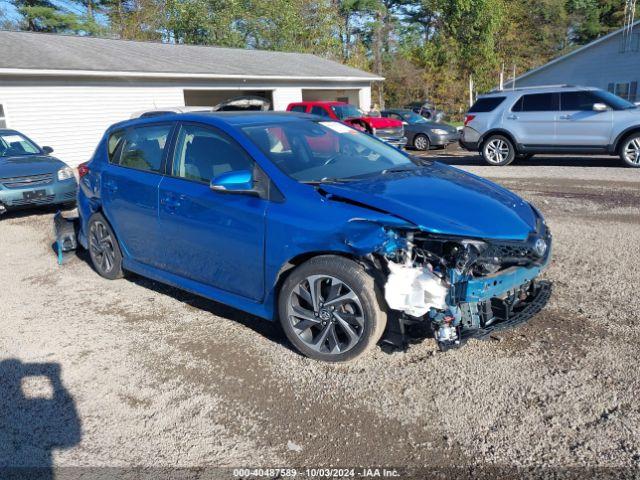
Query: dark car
30, 176
421, 133
342, 237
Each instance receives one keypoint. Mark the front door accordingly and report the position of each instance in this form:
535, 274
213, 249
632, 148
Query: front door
130, 189
532, 119
210, 237
579, 125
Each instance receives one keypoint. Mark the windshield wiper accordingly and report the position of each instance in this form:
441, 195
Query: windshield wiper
399, 170
330, 180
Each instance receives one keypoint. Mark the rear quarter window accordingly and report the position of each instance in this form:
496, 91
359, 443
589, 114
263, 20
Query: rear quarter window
484, 105
112, 145
298, 108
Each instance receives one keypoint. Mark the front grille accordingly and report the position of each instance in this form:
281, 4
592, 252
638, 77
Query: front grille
394, 132
27, 181
34, 201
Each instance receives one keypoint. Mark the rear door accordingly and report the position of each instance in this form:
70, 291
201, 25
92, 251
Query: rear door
532, 119
578, 125
212, 238
130, 188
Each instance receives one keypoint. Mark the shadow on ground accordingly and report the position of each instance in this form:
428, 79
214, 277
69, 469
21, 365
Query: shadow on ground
462, 158
37, 415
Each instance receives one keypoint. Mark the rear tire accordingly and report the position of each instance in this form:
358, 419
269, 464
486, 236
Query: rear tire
421, 142
498, 151
330, 309
104, 249
630, 151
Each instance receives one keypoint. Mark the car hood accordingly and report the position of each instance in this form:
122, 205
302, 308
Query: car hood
29, 165
378, 122
444, 200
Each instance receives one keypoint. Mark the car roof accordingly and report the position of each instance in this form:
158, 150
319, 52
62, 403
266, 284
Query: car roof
537, 89
237, 119
318, 102
6, 131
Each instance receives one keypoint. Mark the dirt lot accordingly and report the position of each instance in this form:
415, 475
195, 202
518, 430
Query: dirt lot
151, 376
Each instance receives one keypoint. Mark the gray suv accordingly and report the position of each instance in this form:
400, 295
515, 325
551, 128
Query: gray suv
509, 124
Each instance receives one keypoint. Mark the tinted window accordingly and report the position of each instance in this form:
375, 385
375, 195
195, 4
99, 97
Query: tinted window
319, 111
15, 144
539, 102
484, 105
614, 101
112, 145
582, 101
203, 153
298, 108
142, 147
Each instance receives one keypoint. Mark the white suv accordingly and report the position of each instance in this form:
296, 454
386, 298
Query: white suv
505, 125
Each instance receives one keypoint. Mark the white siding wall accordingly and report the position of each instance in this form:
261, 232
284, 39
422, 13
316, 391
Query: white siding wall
282, 97
72, 119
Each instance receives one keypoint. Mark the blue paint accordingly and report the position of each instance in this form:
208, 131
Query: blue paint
233, 247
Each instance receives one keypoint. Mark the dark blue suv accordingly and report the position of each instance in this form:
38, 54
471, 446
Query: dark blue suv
344, 239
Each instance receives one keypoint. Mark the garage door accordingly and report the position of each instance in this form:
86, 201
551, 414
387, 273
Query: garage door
210, 98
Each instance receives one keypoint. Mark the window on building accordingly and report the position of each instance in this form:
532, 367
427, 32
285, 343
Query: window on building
625, 90
3, 119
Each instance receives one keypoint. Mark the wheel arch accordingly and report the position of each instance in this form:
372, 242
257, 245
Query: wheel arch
498, 131
622, 137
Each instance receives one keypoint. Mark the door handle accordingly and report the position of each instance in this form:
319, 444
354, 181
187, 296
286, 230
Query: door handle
565, 117
512, 117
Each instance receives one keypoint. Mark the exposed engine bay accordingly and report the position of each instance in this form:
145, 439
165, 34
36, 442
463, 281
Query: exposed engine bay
462, 289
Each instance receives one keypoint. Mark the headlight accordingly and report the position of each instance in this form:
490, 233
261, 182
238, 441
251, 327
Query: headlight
65, 173
439, 131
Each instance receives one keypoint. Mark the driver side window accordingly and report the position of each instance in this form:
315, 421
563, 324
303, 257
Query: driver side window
203, 153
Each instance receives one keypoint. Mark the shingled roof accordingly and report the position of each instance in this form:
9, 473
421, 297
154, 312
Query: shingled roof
39, 52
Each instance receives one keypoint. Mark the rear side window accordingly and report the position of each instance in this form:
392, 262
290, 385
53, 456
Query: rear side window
319, 111
298, 108
112, 145
578, 101
538, 102
142, 147
485, 105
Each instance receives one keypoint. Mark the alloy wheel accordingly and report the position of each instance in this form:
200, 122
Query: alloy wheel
421, 142
326, 314
632, 152
101, 246
497, 151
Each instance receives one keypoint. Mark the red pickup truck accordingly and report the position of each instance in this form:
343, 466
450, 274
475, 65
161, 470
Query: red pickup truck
387, 129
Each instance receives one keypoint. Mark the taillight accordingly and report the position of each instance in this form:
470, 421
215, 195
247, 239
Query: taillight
468, 119
83, 169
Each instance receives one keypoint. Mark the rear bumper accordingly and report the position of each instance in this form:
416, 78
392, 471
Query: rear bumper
470, 146
64, 191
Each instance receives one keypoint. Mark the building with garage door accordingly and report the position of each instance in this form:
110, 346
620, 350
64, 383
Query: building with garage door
611, 63
64, 91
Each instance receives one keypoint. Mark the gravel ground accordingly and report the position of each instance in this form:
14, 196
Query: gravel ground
140, 374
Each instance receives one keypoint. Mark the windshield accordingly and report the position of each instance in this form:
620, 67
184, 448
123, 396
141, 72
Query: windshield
346, 111
314, 152
14, 145
413, 118
613, 101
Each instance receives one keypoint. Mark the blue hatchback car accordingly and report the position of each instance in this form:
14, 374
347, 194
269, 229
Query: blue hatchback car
30, 176
344, 239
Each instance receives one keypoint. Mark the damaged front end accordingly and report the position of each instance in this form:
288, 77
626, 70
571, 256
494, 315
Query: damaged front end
460, 289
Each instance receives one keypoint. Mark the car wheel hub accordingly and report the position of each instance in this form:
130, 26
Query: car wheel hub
326, 314
632, 151
497, 151
421, 143
101, 247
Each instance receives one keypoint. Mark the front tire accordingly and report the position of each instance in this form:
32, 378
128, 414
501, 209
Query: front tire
421, 142
104, 250
630, 151
498, 151
329, 309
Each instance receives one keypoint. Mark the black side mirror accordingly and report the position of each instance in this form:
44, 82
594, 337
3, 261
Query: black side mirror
47, 150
